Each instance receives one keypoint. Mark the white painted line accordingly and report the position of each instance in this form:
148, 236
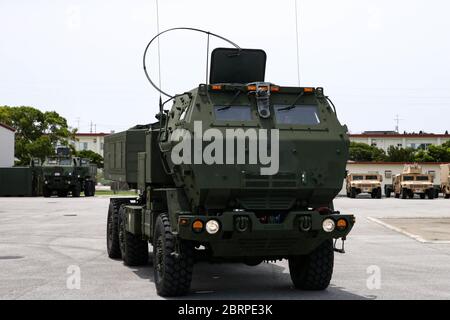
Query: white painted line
406, 233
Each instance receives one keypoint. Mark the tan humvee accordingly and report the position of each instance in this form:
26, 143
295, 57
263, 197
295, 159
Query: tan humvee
411, 182
357, 183
445, 180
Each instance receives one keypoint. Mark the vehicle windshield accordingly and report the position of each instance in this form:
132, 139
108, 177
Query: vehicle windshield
358, 178
233, 113
371, 178
298, 115
422, 178
408, 178
52, 161
65, 162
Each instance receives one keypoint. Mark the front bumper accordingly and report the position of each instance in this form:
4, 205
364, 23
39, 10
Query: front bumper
264, 240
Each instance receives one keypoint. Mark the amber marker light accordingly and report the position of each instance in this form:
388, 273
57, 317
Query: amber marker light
197, 226
341, 224
216, 87
184, 222
308, 90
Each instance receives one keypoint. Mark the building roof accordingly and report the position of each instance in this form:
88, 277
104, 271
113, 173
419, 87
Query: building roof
7, 127
394, 163
399, 135
92, 134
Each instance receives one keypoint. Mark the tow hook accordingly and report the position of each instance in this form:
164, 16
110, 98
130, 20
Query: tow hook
342, 249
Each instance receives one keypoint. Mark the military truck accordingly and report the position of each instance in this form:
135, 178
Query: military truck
411, 182
370, 183
227, 207
445, 180
64, 174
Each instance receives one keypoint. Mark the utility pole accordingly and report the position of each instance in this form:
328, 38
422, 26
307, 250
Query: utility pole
78, 123
91, 127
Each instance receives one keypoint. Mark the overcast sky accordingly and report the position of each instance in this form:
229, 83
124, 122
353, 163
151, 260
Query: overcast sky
375, 59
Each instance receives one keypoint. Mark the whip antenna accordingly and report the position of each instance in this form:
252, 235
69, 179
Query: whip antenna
159, 47
298, 42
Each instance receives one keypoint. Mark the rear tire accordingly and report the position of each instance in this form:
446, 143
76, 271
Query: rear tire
112, 231
388, 194
447, 196
133, 249
430, 194
422, 196
173, 275
313, 271
88, 186
353, 193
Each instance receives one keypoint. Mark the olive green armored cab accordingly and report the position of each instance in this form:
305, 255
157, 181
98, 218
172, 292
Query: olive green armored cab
64, 174
225, 202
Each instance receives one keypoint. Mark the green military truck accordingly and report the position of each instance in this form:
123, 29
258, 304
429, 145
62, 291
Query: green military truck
64, 174
232, 208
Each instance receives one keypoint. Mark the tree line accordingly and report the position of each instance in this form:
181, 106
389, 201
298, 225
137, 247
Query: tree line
366, 153
38, 133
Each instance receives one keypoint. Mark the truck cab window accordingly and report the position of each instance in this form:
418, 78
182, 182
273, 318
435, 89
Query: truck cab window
297, 115
233, 113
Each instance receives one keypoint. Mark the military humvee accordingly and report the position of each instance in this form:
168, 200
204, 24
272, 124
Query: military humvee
64, 174
445, 180
357, 183
411, 182
220, 204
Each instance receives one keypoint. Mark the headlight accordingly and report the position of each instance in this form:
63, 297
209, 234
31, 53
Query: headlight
328, 225
212, 227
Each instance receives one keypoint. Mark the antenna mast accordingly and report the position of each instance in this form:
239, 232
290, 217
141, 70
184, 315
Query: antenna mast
397, 121
298, 41
159, 44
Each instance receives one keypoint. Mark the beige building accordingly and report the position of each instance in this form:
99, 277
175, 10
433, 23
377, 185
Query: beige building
384, 140
7, 144
90, 141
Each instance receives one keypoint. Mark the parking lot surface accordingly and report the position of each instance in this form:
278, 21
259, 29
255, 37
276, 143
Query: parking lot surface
44, 243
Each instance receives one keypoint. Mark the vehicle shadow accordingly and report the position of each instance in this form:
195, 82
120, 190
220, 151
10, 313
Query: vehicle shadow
267, 281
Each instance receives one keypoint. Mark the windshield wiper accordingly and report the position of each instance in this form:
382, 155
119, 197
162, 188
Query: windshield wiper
228, 106
292, 106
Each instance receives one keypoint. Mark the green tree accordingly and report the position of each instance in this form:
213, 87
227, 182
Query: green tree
439, 153
396, 154
364, 152
37, 132
423, 156
92, 156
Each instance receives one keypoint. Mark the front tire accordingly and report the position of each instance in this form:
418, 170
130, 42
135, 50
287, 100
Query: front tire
76, 192
173, 274
47, 192
313, 271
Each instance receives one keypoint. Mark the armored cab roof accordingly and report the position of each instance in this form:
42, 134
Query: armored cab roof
412, 169
237, 65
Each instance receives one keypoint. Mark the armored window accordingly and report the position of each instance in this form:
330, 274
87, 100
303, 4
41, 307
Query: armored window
358, 178
233, 113
298, 115
65, 162
422, 178
371, 177
408, 178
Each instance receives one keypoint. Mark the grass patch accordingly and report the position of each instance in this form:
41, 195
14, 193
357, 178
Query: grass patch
119, 193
